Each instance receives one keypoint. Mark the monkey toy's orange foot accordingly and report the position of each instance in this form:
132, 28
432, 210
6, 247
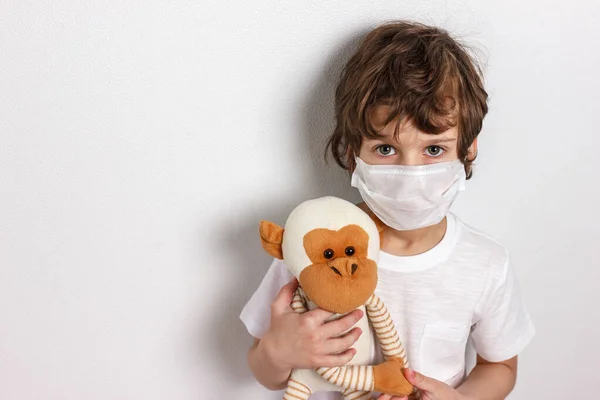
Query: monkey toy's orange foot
389, 378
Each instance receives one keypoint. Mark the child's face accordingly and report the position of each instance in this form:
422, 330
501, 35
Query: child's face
411, 147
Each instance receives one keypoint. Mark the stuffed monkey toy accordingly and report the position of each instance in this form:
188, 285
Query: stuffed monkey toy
332, 247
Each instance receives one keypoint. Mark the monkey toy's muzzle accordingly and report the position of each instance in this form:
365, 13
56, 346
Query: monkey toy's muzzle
340, 285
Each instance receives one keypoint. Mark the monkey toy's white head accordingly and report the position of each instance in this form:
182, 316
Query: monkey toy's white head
332, 247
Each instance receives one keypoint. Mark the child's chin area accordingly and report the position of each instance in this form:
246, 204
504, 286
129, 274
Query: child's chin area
336, 288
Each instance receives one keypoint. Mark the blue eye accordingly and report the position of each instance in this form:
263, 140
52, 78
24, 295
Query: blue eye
434, 151
385, 150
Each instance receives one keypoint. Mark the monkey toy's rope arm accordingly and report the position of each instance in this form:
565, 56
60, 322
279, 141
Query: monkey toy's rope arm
298, 303
385, 330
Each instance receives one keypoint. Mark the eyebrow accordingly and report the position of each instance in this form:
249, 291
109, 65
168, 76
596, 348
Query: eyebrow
440, 140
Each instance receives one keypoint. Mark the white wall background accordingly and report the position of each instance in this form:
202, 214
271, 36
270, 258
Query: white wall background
142, 141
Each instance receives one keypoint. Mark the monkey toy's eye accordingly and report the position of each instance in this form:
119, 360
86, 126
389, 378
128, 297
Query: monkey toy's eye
328, 254
349, 251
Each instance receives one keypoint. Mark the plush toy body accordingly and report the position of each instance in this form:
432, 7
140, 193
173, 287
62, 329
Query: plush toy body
332, 247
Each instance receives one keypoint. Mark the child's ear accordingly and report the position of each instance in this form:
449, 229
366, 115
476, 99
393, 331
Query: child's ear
271, 237
350, 159
472, 151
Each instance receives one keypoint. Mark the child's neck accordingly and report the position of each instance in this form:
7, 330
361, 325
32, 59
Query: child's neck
410, 243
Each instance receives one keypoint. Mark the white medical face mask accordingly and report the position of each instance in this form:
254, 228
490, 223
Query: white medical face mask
409, 197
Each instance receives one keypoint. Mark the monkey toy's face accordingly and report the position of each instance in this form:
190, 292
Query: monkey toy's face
332, 247
340, 277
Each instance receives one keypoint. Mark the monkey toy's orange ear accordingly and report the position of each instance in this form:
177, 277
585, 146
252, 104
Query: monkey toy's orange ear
271, 237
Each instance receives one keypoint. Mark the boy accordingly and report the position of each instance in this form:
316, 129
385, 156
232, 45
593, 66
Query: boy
409, 108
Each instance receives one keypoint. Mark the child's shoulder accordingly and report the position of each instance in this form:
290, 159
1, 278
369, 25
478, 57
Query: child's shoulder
480, 244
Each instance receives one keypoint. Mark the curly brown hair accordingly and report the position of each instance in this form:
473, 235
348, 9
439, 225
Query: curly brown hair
423, 74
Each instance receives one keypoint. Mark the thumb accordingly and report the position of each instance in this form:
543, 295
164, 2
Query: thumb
420, 381
284, 297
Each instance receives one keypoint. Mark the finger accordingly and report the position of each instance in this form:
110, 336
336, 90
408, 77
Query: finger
342, 343
420, 381
337, 360
284, 297
318, 314
341, 325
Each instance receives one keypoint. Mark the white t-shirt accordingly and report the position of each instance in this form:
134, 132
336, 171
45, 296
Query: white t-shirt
464, 286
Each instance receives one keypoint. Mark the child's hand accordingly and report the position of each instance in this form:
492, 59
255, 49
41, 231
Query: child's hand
305, 340
429, 389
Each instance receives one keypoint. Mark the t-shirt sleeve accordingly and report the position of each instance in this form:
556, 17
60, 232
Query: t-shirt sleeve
504, 327
256, 314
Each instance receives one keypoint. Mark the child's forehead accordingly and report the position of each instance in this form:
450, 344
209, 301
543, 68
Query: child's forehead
402, 130
378, 116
